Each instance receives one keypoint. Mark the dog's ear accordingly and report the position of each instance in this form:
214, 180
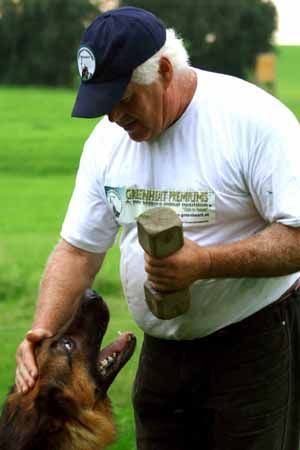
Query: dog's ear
32, 426
18, 424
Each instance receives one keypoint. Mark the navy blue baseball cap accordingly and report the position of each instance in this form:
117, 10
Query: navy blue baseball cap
113, 45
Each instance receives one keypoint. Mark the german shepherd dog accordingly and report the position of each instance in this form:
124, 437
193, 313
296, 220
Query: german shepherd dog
68, 408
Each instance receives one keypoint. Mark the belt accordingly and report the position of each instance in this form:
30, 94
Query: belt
292, 289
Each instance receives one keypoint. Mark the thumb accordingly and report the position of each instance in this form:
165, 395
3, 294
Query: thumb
38, 334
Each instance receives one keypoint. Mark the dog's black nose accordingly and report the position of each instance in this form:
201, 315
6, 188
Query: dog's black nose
91, 295
92, 300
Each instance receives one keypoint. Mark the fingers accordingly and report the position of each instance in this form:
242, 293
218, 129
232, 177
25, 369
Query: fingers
158, 267
26, 371
162, 287
37, 335
159, 279
160, 273
154, 262
155, 271
24, 381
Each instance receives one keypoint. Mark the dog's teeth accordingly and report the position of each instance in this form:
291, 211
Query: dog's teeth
129, 338
107, 362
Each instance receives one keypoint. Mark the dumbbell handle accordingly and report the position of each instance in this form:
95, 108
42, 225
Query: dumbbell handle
160, 234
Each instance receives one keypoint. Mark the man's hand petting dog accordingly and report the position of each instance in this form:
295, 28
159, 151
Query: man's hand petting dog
27, 372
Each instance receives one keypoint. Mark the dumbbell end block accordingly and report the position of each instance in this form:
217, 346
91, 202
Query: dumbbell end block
160, 232
167, 305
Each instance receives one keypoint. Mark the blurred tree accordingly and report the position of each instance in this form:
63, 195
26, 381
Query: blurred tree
39, 39
220, 35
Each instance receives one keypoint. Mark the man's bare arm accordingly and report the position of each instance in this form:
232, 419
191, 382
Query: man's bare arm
273, 252
68, 273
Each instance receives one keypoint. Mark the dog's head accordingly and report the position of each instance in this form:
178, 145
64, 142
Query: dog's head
68, 408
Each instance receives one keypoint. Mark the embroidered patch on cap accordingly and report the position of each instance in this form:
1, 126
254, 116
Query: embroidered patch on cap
86, 63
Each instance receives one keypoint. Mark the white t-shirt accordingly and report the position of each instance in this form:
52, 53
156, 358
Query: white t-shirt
230, 166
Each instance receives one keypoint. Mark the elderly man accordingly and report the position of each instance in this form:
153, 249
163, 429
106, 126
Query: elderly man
224, 155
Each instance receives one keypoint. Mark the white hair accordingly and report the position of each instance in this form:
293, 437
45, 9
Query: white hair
173, 49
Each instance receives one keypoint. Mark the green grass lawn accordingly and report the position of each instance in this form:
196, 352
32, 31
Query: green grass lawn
40, 146
288, 77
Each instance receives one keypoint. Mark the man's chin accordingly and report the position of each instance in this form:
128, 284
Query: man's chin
141, 135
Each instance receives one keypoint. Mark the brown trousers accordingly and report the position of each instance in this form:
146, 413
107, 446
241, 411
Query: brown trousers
237, 389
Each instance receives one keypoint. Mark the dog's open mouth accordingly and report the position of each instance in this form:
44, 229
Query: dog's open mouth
104, 364
113, 357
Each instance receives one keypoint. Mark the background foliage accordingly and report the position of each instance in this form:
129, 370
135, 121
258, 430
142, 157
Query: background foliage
221, 35
39, 38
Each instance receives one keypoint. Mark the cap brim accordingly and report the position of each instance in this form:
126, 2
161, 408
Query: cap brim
97, 99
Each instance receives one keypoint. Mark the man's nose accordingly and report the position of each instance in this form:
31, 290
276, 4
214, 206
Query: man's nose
116, 113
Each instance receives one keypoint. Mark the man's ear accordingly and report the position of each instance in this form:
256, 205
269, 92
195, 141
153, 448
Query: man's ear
166, 71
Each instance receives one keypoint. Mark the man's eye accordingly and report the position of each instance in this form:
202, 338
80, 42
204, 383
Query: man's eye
126, 99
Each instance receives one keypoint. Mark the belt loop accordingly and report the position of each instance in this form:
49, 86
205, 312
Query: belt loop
292, 290
296, 286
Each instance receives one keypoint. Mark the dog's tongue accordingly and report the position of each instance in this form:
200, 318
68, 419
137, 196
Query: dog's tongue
117, 346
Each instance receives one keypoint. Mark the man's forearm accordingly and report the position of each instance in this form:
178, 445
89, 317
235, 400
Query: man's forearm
68, 273
273, 252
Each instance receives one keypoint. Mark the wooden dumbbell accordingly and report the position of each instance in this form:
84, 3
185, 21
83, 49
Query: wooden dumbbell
160, 234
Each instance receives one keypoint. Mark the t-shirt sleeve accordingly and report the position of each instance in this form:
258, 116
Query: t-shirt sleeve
274, 171
89, 223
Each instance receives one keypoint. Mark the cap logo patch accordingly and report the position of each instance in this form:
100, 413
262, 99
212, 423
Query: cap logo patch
86, 63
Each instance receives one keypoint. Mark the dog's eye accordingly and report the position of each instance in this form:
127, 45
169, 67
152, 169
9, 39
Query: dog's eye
67, 343
63, 344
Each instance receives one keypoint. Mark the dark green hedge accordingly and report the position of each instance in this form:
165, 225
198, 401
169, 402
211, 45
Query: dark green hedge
39, 40
221, 35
